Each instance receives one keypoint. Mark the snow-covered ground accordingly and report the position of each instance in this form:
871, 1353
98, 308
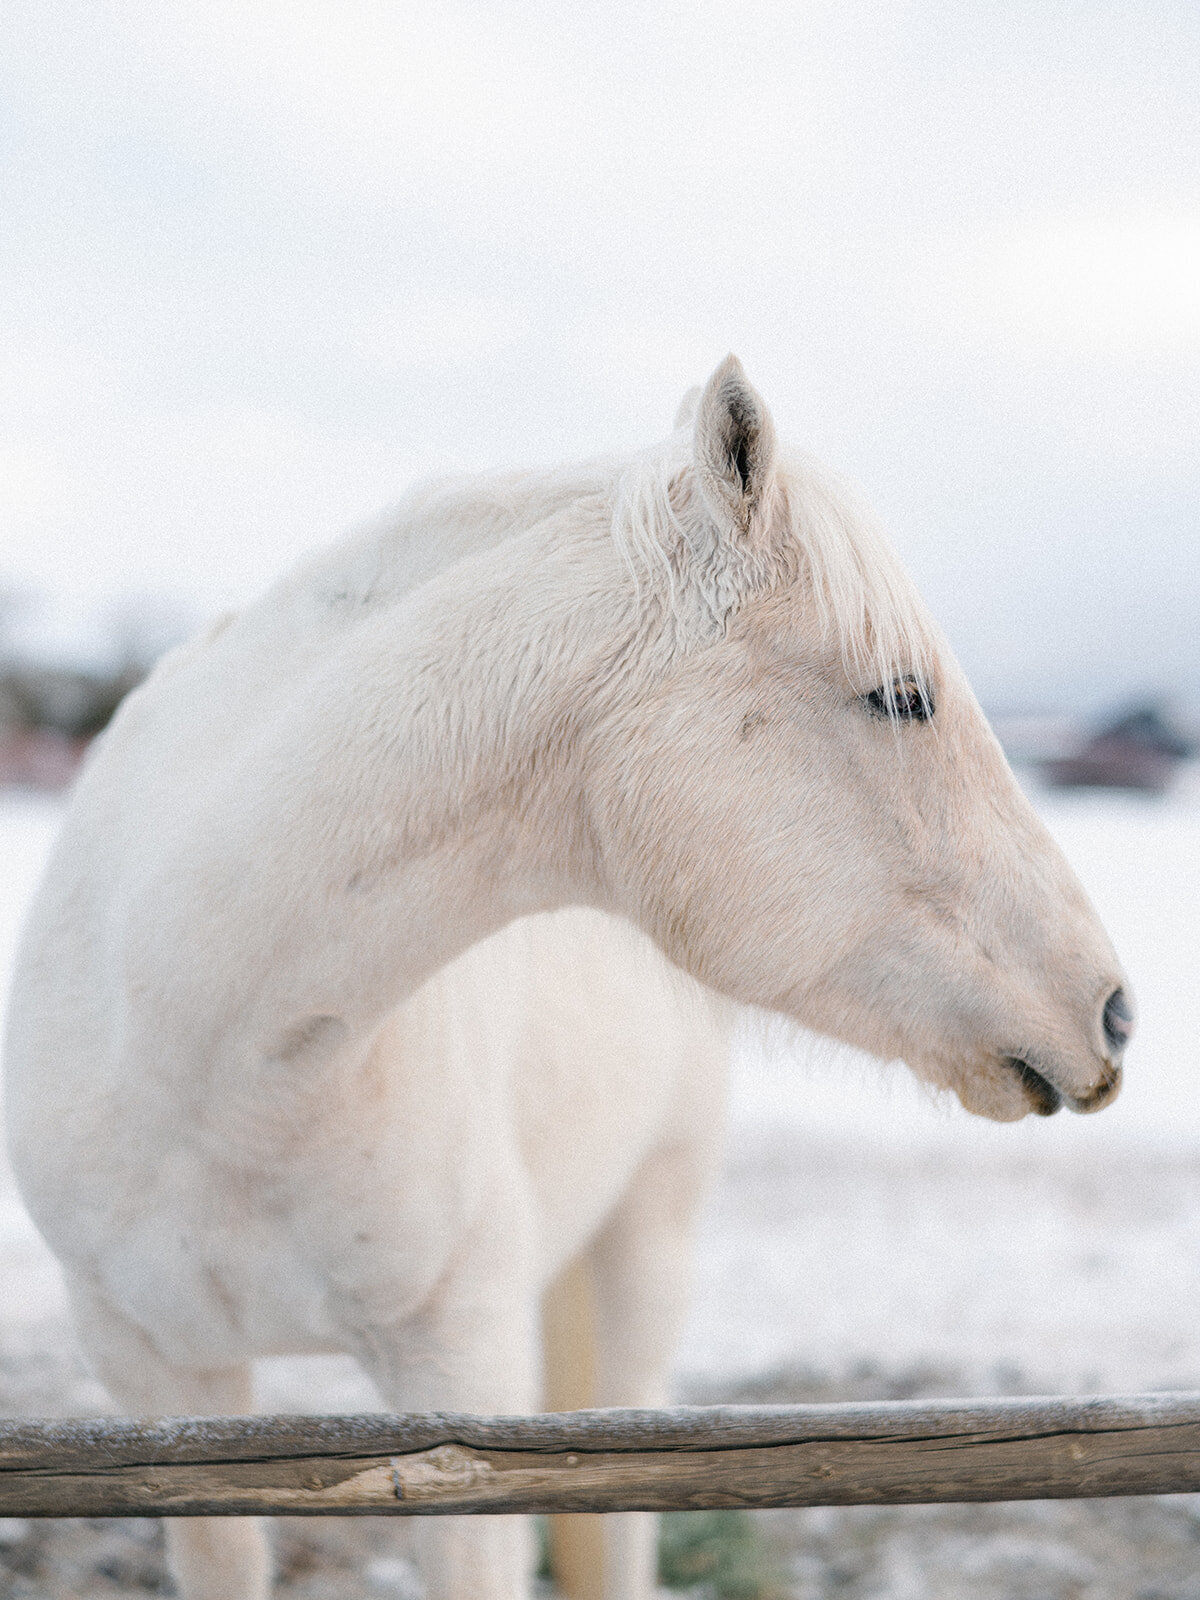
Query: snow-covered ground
863, 1233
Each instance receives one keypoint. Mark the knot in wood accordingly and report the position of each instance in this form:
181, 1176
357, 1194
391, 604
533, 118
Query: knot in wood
431, 1473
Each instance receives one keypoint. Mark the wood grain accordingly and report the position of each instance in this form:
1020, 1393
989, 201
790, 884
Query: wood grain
899, 1453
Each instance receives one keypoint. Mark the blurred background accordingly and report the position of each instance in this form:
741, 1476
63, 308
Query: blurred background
262, 264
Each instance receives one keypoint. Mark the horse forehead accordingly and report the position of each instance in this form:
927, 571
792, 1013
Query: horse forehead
781, 630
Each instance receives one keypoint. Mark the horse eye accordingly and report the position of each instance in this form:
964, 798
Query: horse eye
907, 700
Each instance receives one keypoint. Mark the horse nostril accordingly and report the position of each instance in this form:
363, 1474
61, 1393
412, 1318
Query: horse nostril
1118, 1021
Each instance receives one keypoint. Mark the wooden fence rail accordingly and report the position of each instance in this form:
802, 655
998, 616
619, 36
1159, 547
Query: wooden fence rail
898, 1453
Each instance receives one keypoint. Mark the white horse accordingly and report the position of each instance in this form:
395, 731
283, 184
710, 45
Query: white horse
693, 689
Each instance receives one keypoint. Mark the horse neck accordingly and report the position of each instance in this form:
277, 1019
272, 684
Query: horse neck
507, 663
441, 774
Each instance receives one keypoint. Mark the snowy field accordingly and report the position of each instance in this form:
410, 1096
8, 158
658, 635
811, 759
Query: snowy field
867, 1240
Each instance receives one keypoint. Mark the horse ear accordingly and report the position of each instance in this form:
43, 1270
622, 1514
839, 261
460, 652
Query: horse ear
734, 447
687, 408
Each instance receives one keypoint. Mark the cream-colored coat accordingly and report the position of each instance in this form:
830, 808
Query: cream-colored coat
252, 1108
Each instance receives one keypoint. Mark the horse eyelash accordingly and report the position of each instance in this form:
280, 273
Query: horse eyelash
904, 700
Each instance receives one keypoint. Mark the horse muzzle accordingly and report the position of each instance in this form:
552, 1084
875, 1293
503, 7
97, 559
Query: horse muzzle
1046, 1096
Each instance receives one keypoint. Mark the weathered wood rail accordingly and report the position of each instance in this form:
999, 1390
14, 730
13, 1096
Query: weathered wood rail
898, 1453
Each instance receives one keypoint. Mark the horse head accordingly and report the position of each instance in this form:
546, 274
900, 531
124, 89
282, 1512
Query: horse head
808, 809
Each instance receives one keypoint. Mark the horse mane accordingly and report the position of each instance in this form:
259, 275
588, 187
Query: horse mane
867, 605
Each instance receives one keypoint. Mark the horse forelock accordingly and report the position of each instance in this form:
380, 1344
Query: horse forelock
867, 608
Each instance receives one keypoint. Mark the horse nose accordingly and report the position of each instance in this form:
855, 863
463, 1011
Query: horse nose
1118, 1022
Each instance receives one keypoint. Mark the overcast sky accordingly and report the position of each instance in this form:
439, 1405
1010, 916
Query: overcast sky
263, 263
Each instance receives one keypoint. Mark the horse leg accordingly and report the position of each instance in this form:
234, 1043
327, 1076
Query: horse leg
472, 1348
569, 1384
210, 1558
636, 1275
